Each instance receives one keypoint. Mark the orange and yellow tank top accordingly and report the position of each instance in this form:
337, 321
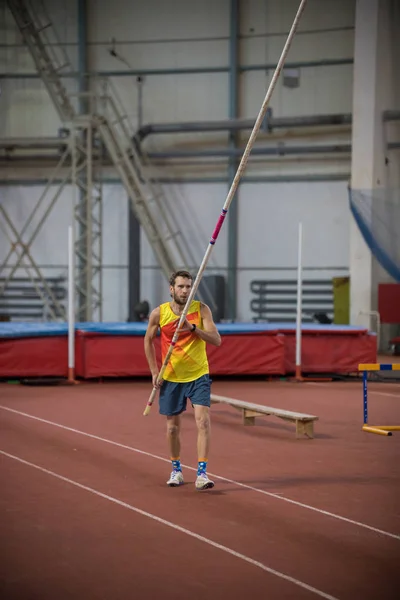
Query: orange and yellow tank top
188, 360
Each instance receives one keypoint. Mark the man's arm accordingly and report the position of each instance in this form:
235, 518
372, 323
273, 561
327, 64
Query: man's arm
149, 349
209, 333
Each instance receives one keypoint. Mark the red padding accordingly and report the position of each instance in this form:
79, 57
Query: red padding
98, 355
248, 355
123, 356
34, 357
320, 354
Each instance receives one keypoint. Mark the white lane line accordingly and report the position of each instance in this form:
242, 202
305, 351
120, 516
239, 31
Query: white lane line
232, 481
384, 394
192, 534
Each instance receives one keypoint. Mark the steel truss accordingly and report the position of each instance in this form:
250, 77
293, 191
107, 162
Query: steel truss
106, 128
77, 167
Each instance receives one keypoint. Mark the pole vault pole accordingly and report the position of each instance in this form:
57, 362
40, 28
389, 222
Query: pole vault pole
231, 193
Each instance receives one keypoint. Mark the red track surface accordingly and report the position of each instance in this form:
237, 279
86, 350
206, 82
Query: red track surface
64, 541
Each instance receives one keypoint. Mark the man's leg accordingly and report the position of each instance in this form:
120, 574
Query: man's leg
172, 404
173, 436
174, 446
202, 416
199, 393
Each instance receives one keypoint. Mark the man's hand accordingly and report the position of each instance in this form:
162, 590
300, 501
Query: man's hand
156, 384
186, 326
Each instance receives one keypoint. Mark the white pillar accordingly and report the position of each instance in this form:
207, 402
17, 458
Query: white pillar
371, 85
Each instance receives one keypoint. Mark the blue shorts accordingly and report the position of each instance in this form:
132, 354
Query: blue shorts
173, 396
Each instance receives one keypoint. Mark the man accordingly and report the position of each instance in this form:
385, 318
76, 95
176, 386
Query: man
187, 374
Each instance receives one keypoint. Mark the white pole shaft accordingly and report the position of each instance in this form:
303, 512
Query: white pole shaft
231, 192
71, 302
299, 299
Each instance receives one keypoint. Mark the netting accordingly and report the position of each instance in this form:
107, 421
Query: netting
377, 214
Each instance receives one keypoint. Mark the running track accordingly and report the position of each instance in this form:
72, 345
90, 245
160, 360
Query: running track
86, 512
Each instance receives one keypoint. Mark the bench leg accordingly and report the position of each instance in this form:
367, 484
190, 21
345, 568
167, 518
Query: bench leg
305, 428
248, 419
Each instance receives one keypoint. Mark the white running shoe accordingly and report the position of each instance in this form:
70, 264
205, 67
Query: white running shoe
203, 482
175, 479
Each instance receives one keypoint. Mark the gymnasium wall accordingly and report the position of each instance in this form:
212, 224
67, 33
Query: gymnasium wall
269, 214
162, 42
146, 35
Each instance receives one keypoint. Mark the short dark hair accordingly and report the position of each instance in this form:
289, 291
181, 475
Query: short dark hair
176, 274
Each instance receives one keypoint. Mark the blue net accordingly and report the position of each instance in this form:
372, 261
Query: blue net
377, 214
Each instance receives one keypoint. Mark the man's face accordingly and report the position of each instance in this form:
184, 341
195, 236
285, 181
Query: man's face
181, 290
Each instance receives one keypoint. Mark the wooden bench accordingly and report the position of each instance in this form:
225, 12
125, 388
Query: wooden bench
304, 423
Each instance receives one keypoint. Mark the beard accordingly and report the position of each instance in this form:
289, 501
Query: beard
178, 300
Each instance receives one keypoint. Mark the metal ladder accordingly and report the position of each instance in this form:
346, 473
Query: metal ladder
33, 23
155, 212
171, 249
135, 187
159, 215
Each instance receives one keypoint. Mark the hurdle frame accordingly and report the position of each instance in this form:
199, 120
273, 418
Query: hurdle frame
366, 368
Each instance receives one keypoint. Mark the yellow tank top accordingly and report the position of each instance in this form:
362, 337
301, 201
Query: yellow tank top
188, 360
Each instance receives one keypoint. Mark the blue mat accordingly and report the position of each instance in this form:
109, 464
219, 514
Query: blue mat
19, 330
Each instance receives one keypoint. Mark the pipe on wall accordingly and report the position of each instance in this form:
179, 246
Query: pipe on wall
294, 178
221, 153
233, 124
83, 86
187, 70
280, 150
233, 213
83, 67
37, 143
230, 152
134, 260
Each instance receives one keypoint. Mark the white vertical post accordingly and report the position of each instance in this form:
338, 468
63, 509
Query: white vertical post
299, 303
71, 305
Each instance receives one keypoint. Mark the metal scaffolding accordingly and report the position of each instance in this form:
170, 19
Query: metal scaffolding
87, 183
103, 130
21, 244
